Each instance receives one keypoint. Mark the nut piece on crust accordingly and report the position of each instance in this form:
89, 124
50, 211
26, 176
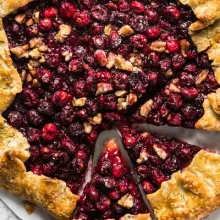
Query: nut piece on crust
126, 31
146, 107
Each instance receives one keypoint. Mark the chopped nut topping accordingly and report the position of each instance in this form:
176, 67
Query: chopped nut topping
145, 134
184, 45
174, 88
96, 120
126, 201
131, 99
29, 78
42, 59
34, 63
63, 33
103, 88
21, 51
23, 75
201, 77
160, 152
126, 31
108, 29
35, 83
35, 53
79, 102
122, 64
20, 18
120, 93
136, 60
122, 104
169, 73
36, 16
111, 60
36, 42
158, 46
87, 127
146, 107
29, 22
143, 157
68, 55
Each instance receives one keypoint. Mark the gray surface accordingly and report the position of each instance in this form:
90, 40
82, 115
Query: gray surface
6, 213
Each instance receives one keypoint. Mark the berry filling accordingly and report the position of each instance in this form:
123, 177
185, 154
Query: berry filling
112, 192
156, 158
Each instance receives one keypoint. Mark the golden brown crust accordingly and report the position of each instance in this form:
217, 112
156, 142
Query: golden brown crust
136, 217
191, 194
207, 11
51, 194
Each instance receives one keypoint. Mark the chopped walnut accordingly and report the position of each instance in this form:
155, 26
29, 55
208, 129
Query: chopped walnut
34, 63
131, 99
111, 60
143, 157
145, 134
126, 201
79, 102
87, 127
68, 55
146, 108
158, 46
108, 29
29, 78
63, 33
136, 60
103, 88
201, 77
35, 83
122, 64
23, 75
126, 31
184, 45
29, 22
20, 18
173, 87
122, 104
37, 42
36, 16
42, 59
120, 93
169, 73
35, 54
21, 51
160, 152
96, 120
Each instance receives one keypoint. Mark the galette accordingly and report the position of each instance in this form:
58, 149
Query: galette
72, 69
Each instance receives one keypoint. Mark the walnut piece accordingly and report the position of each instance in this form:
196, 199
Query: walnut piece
184, 45
87, 127
131, 99
21, 51
111, 60
126, 31
120, 93
126, 201
146, 108
20, 18
108, 29
103, 88
158, 46
122, 64
29, 22
201, 77
96, 120
143, 157
63, 33
36, 16
79, 102
160, 152
35, 54
122, 104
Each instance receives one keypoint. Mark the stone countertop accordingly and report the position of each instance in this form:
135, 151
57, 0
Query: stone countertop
6, 213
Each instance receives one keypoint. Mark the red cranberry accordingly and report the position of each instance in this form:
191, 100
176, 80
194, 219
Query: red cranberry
148, 187
67, 9
120, 80
152, 16
93, 194
68, 145
189, 93
172, 46
139, 23
165, 65
52, 59
45, 24
75, 65
30, 98
15, 119
115, 40
49, 168
78, 165
88, 3
60, 98
191, 68
96, 28
137, 7
33, 135
44, 75
81, 19
151, 60
79, 88
138, 40
152, 32
32, 31
171, 164
37, 169
178, 61
100, 57
175, 119
75, 130
123, 6
158, 177
123, 186
50, 12
186, 79
103, 204
174, 101
34, 118
123, 50
100, 13
49, 132
99, 42
46, 152
203, 60
171, 13
34, 151
129, 141
119, 18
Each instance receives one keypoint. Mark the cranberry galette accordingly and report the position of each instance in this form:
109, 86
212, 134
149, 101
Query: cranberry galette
71, 69
112, 192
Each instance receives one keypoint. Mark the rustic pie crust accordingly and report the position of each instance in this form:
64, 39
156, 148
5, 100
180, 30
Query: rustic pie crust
190, 194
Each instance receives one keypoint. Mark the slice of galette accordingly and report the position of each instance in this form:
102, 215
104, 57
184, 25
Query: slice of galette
181, 180
112, 192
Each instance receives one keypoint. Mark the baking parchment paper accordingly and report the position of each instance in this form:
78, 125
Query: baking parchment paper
203, 139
